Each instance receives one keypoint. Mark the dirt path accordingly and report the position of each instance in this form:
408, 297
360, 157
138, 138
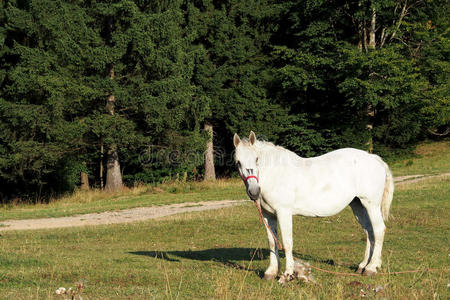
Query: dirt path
115, 217
416, 178
145, 213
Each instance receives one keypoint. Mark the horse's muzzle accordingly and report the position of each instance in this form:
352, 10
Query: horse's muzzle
253, 191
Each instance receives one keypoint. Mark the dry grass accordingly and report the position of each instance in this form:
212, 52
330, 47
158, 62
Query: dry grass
433, 148
79, 196
95, 195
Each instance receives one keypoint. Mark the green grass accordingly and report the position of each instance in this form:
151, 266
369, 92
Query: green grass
209, 255
428, 158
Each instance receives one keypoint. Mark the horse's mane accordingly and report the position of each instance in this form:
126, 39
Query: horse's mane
271, 153
275, 152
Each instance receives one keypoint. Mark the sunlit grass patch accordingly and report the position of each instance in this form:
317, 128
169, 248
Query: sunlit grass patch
432, 148
429, 158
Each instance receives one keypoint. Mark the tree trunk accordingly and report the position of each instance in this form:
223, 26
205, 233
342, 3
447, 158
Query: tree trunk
370, 109
84, 181
370, 115
400, 19
210, 173
361, 36
113, 174
372, 41
361, 28
365, 37
102, 185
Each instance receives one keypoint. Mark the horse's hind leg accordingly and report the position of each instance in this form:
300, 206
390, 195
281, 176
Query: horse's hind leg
378, 226
274, 265
362, 216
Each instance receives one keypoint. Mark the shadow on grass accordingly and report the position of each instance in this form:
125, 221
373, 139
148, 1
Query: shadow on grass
229, 256
225, 256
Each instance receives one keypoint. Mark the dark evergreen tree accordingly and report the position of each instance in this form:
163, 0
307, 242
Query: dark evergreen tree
346, 68
234, 72
42, 95
149, 49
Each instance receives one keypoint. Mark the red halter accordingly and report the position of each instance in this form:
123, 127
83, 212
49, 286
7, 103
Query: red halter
248, 177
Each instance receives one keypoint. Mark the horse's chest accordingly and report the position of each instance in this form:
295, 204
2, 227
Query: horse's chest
269, 207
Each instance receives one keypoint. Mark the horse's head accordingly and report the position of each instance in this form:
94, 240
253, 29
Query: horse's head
246, 159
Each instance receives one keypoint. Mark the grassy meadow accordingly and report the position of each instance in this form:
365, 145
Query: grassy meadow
221, 254
427, 159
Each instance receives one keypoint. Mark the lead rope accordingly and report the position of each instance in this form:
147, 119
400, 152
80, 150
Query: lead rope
258, 207
280, 247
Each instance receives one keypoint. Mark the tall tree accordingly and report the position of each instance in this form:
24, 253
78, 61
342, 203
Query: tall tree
149, 46
234, 72
42, 92
347, 67
113, 175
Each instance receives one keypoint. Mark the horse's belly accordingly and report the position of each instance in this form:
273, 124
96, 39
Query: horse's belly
322, 205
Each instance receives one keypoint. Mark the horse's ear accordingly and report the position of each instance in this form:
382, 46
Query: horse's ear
252, 137
236, 140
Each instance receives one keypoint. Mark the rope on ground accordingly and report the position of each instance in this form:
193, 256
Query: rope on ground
379, 273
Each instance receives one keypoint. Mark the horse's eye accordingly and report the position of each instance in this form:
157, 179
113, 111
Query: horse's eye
257, 160
238, 164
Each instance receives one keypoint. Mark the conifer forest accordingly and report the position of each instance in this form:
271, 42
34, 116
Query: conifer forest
112, 93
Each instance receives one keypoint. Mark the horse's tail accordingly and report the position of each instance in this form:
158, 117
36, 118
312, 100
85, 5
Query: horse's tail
388, 193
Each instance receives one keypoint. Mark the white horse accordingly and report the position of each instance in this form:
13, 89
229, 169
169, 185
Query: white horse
287, 184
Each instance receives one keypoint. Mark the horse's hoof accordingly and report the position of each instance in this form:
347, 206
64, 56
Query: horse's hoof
285, 278
369, 273
360, 270
269, 276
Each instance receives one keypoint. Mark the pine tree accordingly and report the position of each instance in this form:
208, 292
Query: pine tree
149, 47
234, 71
42, 92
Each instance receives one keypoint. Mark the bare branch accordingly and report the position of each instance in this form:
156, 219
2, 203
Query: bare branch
416, 51
402, 15
403, 42
364, 38
434, 132
383, 37
372, 42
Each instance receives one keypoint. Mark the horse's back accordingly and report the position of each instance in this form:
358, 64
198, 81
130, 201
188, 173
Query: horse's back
333, 180
348, 162
323, 185
366, 171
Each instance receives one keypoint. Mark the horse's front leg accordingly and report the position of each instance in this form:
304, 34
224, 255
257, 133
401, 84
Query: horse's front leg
285, 221
272, 234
